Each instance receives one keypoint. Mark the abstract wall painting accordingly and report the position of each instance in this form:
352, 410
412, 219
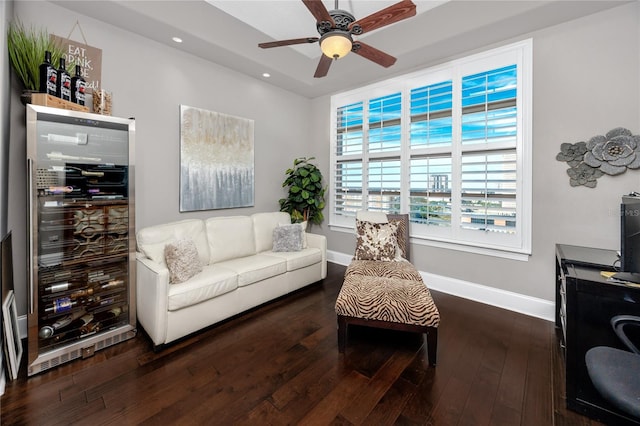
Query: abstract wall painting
216, 160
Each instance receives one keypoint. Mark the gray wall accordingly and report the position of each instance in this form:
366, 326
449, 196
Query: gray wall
149, 81
585, 82
6, 14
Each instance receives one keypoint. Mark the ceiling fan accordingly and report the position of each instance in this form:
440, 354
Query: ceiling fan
336, 28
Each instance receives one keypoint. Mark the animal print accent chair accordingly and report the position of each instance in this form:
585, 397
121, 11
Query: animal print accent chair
387, 294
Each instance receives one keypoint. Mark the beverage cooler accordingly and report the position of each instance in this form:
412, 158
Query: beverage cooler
81, 237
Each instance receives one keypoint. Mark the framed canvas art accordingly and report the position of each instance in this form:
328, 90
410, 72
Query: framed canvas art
13, 344
216, 160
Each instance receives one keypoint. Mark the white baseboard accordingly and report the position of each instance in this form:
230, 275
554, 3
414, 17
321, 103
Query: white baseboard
532, 306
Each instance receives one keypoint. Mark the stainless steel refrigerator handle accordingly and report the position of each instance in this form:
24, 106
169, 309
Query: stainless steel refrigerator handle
30, 239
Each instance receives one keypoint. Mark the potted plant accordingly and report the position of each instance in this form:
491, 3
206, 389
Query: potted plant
26, 53
305, 200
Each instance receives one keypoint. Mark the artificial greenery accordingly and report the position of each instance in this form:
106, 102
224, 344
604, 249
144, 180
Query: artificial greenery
305, 200
26, 53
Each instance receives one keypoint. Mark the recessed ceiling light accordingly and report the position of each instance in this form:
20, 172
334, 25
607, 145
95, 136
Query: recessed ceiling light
177, 39
266, 75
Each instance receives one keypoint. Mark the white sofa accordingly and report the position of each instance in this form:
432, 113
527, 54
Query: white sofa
240, 271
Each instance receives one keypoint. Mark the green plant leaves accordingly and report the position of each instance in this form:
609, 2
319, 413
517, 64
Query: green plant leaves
305, 200
26, 48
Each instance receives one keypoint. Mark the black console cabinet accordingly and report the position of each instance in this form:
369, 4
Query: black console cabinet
585, 304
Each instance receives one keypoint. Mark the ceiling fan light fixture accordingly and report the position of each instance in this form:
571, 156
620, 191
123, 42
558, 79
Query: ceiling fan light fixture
336, 44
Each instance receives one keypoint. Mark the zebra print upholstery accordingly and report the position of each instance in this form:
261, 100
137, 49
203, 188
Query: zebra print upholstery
376, 268
387, 295
387, 299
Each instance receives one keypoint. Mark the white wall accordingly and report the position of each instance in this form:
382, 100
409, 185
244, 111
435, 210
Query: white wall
585, 83
149, 81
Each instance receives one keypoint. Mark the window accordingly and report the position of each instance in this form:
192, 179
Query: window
450, 146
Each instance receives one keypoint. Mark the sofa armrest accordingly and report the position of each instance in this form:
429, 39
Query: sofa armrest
320, 242
152, 292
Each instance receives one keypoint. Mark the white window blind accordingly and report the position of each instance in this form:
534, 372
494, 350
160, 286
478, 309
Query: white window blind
430, 191
384, 185
450, 146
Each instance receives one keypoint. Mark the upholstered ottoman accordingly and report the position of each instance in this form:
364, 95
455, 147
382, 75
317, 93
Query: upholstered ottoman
387, 295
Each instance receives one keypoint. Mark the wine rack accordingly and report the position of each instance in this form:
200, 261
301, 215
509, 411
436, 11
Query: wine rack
82, 246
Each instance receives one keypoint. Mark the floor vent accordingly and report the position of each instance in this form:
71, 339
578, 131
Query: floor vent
78, 353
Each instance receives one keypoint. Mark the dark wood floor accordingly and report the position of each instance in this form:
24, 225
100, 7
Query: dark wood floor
279, 364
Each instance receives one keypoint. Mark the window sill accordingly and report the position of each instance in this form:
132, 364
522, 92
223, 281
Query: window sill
522, 256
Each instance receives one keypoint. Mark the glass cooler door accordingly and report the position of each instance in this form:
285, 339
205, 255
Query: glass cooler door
81, 244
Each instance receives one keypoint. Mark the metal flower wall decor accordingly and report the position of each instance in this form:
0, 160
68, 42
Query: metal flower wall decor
611, 154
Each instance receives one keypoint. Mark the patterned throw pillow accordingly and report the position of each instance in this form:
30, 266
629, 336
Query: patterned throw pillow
376, 241
182, 260
401, 238
288, 237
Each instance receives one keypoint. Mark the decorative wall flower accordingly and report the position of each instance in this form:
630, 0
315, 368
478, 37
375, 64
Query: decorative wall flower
614, 152
611, 154
572, 153
583, 174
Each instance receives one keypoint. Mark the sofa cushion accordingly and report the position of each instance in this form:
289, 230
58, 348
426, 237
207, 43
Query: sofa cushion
288, 237
152, 240
213, 281
299, 259
263, 225
230, 238
182, 260
255, 268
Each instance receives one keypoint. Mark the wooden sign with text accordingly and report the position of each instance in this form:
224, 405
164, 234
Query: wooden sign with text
88, 57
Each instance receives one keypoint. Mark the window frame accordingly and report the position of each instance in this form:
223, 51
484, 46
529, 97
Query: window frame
519, 53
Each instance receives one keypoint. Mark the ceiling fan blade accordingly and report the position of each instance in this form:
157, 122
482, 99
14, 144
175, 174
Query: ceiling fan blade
394, 13
323, 66
288, 42
318, 10
373, 54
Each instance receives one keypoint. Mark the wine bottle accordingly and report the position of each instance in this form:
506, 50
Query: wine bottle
57, 287
62, 286
107, 315
100, 301
63, 87
101, 319
74, 329
48, 331
81, 293
62, 304
112, 284
78, 87
48, 75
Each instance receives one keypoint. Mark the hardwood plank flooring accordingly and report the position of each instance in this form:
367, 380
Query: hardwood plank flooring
279, 365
